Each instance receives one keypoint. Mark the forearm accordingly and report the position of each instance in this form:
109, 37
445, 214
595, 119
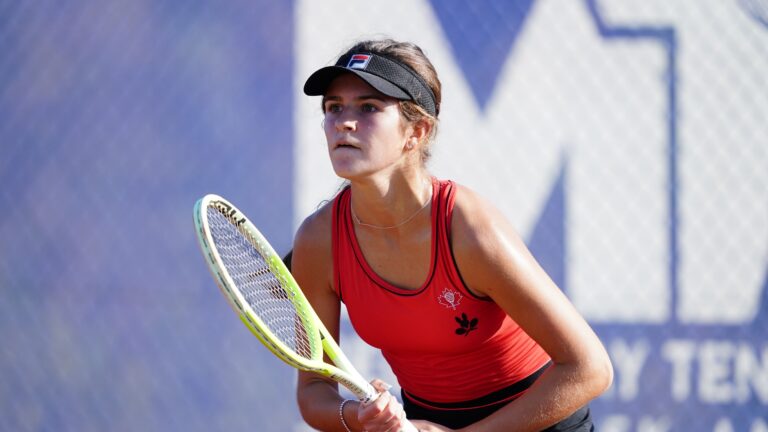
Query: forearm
319, 403
558, 393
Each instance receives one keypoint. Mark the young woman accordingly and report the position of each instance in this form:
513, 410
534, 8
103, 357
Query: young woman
478, 336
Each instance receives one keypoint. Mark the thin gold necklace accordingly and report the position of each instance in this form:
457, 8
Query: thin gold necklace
398, 225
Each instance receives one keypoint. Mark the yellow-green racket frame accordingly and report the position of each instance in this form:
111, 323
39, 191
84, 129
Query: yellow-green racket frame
320, 340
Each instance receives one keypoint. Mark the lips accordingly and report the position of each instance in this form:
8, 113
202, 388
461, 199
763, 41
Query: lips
345, 144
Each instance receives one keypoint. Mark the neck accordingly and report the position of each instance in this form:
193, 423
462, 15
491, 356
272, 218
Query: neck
391, 204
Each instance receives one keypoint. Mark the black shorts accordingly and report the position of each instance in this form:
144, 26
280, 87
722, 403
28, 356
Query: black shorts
459, 415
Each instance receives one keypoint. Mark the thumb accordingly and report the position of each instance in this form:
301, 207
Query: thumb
380, 386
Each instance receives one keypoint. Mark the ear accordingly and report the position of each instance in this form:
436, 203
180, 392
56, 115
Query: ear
419, 132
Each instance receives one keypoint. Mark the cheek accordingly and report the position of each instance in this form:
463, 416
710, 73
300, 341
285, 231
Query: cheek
395, 140
391, 131
328, 128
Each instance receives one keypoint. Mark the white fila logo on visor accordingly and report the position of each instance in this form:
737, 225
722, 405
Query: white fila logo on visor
358, 61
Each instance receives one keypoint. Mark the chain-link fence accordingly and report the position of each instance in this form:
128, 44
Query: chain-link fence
627, 141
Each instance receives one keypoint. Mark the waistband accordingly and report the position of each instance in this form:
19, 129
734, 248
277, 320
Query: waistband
498, 397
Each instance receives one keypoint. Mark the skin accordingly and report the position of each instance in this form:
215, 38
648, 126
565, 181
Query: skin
371, 145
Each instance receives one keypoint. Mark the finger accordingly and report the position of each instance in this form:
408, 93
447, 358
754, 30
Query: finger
393, 415
385, 413
375, 407
380, 386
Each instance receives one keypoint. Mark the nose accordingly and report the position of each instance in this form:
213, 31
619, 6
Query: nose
345, 122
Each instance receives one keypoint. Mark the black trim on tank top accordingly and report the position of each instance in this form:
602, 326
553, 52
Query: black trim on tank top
445, 226
499, 396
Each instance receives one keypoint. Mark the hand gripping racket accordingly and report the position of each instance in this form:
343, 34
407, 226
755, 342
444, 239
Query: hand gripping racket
268, 300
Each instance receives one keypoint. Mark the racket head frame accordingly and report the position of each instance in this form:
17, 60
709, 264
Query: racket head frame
342, 370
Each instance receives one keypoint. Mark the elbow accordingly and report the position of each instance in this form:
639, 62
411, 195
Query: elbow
305, 406
309, 416
588, 375
600, 373
303, 403
591, 373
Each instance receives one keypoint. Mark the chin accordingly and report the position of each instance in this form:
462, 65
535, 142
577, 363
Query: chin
349, 171
344, 170
345, 166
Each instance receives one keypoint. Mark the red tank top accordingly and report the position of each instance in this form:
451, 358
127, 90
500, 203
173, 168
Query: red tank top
443, 343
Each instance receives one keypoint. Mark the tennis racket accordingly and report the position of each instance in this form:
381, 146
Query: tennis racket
268, 300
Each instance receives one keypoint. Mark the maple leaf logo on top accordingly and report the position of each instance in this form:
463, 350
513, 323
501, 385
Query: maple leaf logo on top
450, 298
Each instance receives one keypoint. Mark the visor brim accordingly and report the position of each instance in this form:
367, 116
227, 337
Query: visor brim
317, 84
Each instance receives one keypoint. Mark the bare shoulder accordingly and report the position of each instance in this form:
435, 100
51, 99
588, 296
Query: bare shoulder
477, 224
471, 210
486, 245
312, 259
315, 231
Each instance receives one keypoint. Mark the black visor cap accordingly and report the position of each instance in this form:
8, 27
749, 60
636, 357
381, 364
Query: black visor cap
388, 76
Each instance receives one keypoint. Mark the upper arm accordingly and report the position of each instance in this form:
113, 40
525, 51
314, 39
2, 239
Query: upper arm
494, 261
312, 267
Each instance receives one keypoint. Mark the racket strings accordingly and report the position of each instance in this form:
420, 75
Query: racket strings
264, 291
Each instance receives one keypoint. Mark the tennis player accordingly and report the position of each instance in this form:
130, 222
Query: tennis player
477, 334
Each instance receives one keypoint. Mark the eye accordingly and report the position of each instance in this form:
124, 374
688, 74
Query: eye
332, 107
368, 108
